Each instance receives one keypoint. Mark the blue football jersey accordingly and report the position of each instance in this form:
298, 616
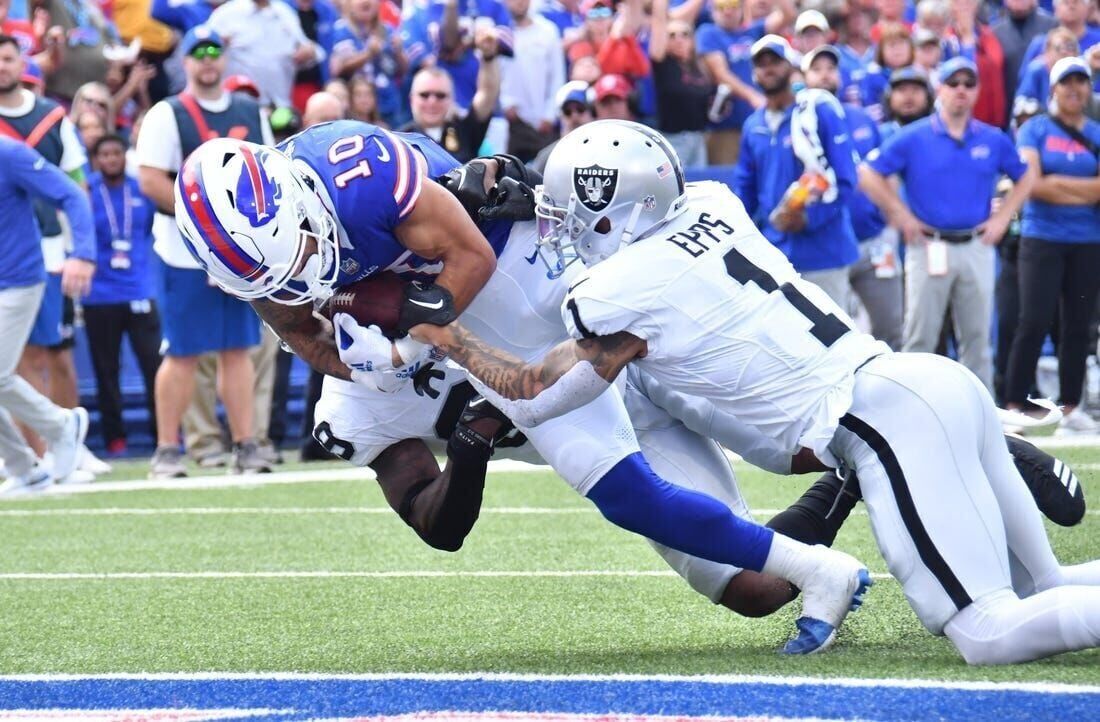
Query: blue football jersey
373, 178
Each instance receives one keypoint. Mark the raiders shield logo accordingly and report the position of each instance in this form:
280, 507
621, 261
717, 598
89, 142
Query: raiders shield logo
595, 186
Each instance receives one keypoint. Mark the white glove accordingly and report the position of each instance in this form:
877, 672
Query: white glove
370, 355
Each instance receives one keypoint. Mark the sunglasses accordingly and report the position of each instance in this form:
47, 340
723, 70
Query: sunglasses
679, 34
571, 110
433, 94
96, 101
727, 5
212, 52
969, 83
600, 12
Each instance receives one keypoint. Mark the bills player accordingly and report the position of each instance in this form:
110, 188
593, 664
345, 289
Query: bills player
344, 200
681, 283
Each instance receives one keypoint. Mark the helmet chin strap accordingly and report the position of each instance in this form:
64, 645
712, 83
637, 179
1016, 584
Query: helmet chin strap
312, 273
628, 233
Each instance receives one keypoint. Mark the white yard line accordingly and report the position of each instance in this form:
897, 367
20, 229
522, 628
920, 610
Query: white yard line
409, 574
718, 679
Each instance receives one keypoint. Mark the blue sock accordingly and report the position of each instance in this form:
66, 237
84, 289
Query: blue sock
632, 496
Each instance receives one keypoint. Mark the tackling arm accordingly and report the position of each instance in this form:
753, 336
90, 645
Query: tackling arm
568, 377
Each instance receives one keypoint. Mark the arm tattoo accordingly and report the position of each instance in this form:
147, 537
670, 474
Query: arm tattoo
306, 336
512, 378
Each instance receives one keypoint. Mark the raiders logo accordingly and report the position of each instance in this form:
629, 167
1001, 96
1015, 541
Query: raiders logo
595, 186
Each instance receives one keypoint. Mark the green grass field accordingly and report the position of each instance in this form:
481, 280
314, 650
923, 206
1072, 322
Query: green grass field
511, 601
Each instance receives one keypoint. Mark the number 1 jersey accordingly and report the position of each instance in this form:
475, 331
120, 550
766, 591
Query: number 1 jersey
726, 317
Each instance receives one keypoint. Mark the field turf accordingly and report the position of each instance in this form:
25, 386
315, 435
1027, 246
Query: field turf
321, 577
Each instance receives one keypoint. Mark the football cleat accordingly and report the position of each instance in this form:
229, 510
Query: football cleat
837, 588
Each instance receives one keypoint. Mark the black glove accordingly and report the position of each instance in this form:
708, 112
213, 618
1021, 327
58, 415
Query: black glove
426, 303
512, 167
478, 408
467, 184
509, 200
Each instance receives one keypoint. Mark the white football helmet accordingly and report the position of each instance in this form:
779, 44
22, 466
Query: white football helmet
607, 184
249, 217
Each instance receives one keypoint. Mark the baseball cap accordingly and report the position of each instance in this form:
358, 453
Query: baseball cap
612, 85
910, 74
240, 83
809, 58
923, 36
955, 65
1069, 66
575, 91
811, 19
775, 44
32, 74
200, 35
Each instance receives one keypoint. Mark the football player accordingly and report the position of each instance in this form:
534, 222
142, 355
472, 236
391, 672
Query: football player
342, 200
680, 282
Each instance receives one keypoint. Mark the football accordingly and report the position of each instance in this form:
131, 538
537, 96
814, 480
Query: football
375, 300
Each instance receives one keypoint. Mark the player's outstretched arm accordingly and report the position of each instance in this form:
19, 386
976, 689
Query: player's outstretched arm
304, 334
570, 375
439, 228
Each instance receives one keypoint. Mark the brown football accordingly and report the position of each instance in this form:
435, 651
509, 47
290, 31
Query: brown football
375, 300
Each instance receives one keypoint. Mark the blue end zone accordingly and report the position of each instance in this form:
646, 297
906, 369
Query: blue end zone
308, 697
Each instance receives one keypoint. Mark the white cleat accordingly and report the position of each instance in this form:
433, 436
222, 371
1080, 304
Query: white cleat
66, 450
91, 463
837, 587
36, 480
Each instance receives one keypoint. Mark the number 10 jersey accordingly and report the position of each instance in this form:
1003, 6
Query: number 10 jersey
726, 317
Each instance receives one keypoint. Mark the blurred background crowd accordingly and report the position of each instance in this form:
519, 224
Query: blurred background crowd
932, 166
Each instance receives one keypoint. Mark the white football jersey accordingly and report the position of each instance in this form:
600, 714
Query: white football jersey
726, 317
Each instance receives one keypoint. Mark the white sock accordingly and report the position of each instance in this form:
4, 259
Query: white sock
790, 559
1000, 628
1087, 574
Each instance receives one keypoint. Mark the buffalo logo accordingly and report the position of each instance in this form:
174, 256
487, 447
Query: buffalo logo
258, 195
595, 186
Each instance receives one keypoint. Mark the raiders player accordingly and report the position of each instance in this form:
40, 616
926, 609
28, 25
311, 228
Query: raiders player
681, 283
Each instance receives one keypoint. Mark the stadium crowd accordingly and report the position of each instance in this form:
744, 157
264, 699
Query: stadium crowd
932, 166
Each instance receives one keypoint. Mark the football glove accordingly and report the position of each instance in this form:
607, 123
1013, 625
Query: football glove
370, 355
509, 200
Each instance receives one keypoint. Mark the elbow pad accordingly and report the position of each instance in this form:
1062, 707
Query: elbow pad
577, 387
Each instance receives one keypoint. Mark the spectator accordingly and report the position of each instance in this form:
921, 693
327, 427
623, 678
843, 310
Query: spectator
455, 34
565, 14
1073, 15
811, 31
121, 300
529, 80
267, 44
41, 46
318, 20
434, 113
890, 12
322, 108
94, 98
934, 16
86, 33
365, 48
1060, 244
725, 48
874, 277
927, 49
339, 89
970, 38
363, 103
1034, 90
614, 99
894, 51
173, 128
573, 112
816, 237
910, 99
586, 70
1022, 21
684, 93
128, 85
24, 173
949, 164
91, 128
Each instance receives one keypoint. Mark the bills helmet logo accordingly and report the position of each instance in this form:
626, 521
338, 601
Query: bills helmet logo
258, 195
595, 186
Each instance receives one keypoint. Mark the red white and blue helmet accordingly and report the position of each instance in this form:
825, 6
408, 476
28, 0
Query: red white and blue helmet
248, 215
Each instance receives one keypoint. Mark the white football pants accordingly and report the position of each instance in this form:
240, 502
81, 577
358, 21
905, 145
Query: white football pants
954, 520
